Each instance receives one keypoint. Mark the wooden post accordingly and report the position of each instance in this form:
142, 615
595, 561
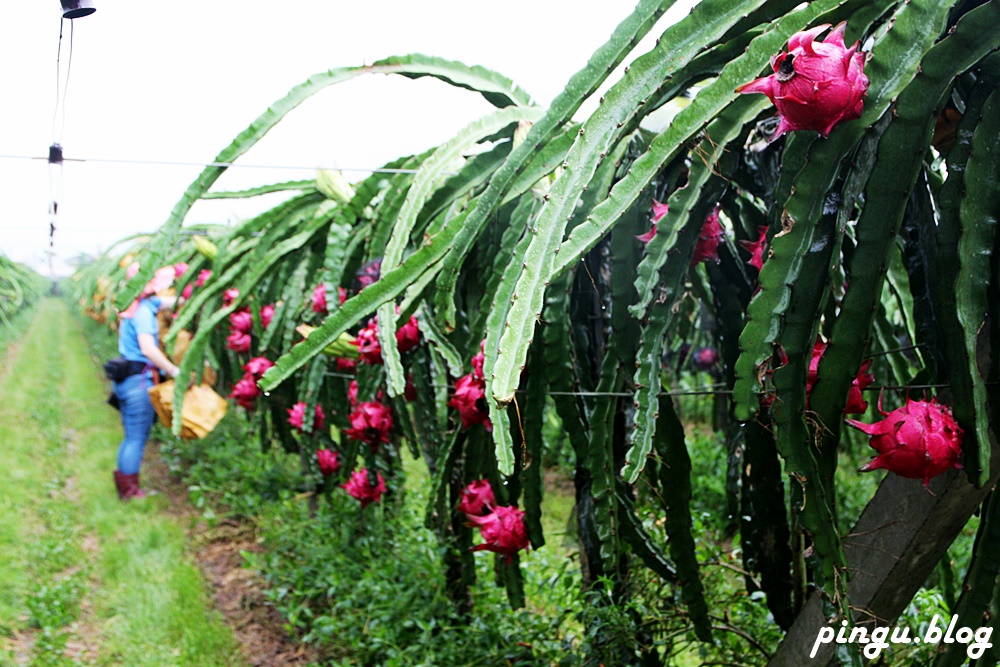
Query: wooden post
903, 532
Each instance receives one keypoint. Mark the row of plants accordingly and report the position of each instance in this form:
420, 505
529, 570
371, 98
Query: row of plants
20, 288
802, 261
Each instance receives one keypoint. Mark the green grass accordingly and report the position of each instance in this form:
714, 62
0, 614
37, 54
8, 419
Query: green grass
78, 563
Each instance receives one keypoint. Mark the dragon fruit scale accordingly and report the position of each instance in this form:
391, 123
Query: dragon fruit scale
920, 440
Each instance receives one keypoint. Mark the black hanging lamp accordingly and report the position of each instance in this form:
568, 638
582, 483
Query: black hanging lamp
74, 9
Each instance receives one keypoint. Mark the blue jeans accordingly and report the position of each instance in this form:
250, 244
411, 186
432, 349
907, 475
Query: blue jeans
137, 418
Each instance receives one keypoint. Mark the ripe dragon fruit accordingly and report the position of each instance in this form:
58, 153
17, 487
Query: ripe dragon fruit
245, 391
920, 440
360, 488
371, 422
477, 497
502, 530
469, 399
329, 461
815, 85
708, 239
478, 360
257, 366
297, 417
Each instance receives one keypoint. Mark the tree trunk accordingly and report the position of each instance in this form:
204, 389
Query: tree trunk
901, 536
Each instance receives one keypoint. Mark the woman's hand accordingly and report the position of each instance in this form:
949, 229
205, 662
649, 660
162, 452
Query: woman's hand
147, 345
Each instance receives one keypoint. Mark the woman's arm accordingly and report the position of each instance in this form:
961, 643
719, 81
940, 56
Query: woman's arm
147, 345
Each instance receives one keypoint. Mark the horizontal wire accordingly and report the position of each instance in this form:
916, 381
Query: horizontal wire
171, 163
709, 390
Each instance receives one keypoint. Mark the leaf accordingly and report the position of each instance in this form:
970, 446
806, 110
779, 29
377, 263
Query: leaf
425, 181
674, 472
980, 208
580, 86
494, 87
354, 309
261, 190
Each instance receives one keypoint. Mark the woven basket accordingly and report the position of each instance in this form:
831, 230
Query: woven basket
202, 410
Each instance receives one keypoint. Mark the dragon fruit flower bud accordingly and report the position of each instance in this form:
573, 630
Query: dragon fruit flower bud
920, 440
521, 133
331, 182
477, 497
815, 85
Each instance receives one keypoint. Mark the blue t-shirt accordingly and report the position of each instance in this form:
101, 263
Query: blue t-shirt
144, 322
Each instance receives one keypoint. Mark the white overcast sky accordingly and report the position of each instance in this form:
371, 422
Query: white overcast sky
177, 80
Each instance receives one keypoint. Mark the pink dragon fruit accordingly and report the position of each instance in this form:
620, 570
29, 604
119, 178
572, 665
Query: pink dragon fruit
371, 422
245, 391
408, 336
856, 404
708, 239
659, 210
919, 440
241, 320
369, 349
266, 315
257, 366
476, 497
329, 461
470, 401
478, 360
203, 275
297, 416
237, 341
229, 296
319, 298
362, 490
502, 531
815, 85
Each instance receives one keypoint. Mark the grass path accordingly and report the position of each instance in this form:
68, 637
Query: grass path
86, 579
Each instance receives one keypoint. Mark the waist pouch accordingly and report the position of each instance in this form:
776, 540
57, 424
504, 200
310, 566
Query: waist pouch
120, 368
